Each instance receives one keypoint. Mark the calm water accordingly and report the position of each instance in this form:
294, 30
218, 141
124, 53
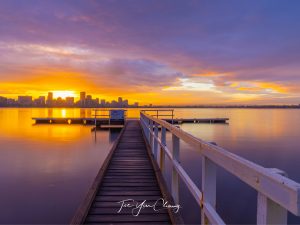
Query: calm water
45, 170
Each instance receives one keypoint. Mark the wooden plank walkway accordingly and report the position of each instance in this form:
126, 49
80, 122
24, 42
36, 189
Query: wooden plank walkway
128, 173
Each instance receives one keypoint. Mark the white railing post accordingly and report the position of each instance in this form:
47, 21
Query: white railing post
162, 151
268, 211
175, 178
155, 144
147, 122
209, 184
151, 134
146, 127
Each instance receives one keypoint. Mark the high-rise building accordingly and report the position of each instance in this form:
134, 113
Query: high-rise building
82, 98
120, 100
3, 101
50, 99
88, 97
88, 101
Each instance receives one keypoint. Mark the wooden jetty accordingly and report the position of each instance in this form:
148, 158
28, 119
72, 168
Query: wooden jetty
134, 168
129, 172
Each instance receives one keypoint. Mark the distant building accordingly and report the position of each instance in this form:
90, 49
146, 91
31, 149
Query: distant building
69, 101
88, 101
120, 100
114, 103
125, 103
102, 102
59, 102
25, 100
82, 98
136, 104
40, 101
50, 99
11, 102
3, 101
96, 101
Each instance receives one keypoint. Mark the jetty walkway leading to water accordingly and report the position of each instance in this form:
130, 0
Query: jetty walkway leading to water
127, 173
134, 168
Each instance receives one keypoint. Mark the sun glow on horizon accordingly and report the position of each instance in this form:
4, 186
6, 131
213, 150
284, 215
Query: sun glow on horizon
64, 94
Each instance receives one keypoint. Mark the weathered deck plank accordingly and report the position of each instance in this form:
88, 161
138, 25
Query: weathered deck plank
128, 174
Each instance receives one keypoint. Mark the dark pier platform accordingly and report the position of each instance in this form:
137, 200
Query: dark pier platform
197, 120
70, 120
105, 121
129, 172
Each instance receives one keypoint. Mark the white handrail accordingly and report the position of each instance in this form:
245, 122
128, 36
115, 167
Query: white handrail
276, 193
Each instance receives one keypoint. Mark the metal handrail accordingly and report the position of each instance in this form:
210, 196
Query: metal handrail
277, 194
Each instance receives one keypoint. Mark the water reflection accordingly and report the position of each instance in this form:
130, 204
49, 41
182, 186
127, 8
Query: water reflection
47, 169
267, 137
113, 134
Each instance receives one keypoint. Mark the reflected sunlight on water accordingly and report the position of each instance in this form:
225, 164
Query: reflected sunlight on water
46, 169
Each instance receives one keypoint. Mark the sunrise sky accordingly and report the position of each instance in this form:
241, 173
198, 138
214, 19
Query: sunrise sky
160, 52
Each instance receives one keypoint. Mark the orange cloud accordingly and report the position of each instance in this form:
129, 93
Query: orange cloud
274, 87
248, 88
260, 86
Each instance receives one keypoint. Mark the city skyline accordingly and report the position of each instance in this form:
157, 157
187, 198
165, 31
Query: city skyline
68, 99
62, 99
152, 52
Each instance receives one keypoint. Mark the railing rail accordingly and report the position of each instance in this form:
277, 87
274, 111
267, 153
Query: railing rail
158, 113
277, 194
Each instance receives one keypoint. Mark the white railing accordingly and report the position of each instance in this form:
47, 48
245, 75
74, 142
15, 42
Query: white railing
277, 194
159, 113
